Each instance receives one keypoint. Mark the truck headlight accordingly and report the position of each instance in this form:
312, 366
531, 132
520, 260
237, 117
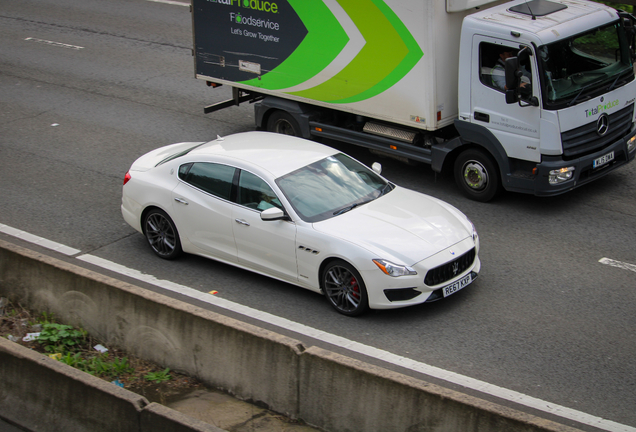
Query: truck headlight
394, 270
560, 175
631, 144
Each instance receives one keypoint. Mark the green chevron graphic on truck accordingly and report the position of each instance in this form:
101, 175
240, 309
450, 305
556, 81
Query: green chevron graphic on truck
388, 54
324, 41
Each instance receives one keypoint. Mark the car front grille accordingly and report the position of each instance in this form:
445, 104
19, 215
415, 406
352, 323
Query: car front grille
450, 270
585, 139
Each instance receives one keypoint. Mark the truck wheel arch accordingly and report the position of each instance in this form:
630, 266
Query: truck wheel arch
270, 105
480, 136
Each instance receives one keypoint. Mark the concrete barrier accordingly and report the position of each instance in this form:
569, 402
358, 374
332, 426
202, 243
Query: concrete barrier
326, 390
41, 394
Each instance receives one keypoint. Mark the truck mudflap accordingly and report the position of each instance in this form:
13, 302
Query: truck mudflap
586, 169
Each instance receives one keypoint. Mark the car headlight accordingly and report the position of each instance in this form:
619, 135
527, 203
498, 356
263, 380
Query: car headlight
474, 234
394, 270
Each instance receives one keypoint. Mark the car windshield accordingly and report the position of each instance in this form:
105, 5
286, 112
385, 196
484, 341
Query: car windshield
330, 187
585, 65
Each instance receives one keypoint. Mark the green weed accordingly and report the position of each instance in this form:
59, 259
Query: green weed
60, 338
159, 377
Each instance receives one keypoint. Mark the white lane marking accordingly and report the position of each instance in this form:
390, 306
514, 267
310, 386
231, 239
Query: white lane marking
367, 350
40, 241
170, 2
53, 43
335, 340
619, 264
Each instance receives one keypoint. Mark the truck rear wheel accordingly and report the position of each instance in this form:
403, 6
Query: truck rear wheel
283, 123
477, 175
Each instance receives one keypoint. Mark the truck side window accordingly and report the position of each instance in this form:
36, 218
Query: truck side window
488, 57
492, 59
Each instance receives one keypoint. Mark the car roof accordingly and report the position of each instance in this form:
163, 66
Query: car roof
276, 153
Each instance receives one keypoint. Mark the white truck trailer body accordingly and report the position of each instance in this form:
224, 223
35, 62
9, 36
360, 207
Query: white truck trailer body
417, 80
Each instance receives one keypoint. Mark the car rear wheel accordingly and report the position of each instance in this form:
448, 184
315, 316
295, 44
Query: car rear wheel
162, 234
344, 288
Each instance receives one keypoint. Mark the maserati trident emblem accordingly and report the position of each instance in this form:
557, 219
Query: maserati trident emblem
455, 268
602, 124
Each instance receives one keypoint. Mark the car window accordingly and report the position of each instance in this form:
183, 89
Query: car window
255, 193
215, 179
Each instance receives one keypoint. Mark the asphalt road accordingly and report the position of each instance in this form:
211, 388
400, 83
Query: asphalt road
87, 86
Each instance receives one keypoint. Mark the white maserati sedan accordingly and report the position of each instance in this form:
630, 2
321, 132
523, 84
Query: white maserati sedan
303, 213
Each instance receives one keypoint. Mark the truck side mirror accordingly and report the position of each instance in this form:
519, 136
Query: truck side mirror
628, 24
514, 90
511, 97
523, 55
512, 67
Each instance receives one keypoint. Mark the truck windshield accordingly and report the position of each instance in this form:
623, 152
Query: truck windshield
584, 66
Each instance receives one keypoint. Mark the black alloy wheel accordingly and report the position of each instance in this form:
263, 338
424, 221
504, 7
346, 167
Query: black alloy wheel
162, 234
344, 288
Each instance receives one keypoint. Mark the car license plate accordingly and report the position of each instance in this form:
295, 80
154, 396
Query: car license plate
603, 160
454, 287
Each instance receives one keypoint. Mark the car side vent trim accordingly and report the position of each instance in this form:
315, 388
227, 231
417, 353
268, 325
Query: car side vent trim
306, 249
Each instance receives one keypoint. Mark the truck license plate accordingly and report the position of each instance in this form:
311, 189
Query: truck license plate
603, 160
454, 287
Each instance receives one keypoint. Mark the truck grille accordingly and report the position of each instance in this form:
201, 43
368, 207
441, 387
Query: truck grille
450, 270
585, 139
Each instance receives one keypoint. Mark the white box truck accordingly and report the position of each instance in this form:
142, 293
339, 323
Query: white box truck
529, 96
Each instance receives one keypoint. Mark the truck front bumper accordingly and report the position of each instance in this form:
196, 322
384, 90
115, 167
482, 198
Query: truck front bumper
584, 169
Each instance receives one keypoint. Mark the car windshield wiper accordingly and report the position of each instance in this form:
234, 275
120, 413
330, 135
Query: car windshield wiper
387, 188
346, 209
351, 207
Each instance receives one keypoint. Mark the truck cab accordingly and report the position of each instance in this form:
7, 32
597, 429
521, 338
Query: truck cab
546, 97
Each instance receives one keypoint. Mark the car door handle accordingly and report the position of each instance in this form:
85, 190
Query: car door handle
181, 201
242, 222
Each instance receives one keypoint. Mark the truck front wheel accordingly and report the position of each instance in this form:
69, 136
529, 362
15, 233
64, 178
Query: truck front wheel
283, 123
477, 176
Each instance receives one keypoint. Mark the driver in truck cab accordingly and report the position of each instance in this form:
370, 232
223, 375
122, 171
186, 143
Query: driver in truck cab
498, 73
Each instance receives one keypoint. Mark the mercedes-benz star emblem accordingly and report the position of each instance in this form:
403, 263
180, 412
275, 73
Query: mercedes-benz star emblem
602, 124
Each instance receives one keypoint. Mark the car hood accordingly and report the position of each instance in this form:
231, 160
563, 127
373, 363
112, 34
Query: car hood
402, 225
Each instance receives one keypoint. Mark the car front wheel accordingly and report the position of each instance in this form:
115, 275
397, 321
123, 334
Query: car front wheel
162, 234
344, 288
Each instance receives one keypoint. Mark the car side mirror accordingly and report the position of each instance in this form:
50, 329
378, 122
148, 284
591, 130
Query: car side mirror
377, 168
273, 213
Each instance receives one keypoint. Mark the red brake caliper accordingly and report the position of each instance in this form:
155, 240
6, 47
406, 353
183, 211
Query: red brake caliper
354, 286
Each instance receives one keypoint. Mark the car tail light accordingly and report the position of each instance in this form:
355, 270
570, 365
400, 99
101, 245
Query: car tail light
127, 177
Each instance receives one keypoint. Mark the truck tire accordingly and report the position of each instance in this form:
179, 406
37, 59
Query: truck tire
477, 175
283, 123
